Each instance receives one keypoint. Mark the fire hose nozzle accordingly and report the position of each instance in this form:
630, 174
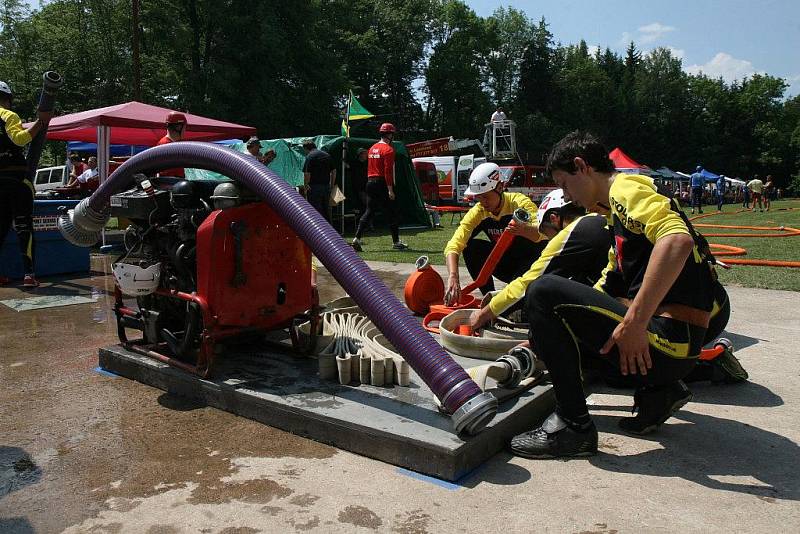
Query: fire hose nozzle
51, 81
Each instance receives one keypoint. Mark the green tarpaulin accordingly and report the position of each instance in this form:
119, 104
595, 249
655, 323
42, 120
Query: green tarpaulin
290, 156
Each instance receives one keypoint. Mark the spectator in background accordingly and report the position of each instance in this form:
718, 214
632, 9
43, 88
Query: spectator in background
696, 182
253, 146
91, 173
769, 188
319, 175
358, 178
721, 186
756, 187
76, 166
498, 115
176, 125
269, 156
745, 197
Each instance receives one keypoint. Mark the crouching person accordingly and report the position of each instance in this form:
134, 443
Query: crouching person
647, 315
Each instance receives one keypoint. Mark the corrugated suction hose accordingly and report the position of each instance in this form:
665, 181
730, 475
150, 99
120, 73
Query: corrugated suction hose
471, 409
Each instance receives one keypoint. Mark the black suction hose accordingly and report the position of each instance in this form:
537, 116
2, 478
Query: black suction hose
50, 85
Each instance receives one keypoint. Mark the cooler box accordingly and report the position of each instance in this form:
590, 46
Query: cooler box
54, 254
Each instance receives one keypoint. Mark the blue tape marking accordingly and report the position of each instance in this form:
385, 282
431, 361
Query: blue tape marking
425, 478
104, 372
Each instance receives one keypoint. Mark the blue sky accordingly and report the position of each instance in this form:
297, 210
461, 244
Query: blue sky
728, 38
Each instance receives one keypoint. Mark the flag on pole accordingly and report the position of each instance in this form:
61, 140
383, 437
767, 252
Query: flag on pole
355, 111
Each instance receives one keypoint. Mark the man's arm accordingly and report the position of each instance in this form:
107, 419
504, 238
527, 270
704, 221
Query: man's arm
453, 289
630, 336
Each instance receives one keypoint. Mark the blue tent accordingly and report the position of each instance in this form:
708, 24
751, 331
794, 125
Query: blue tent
709, 176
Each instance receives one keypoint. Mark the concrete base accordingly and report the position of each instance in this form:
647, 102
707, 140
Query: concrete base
398, 425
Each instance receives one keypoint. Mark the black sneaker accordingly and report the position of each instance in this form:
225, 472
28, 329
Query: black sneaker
727, 369
554, 439
399, 246
654, 405
356, 244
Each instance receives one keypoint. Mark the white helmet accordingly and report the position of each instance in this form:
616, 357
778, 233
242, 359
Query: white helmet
4, 88
137, 281
552, 200
484, 178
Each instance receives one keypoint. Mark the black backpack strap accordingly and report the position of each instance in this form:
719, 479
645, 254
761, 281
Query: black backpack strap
699, 239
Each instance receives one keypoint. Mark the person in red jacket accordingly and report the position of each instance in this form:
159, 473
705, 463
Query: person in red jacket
380, 187
176, 124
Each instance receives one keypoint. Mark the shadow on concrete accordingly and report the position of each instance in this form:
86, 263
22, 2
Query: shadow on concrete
496, 471
714, 452
741, 394
17, 470
740, 341
16, 525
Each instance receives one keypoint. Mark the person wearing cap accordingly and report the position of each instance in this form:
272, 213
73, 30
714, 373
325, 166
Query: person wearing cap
16, 189
492, 215
176, 125
380, 187
253, 146
91, 173
319, 177
577, 248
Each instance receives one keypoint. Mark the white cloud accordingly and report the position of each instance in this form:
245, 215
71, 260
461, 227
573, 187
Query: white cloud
676, 52
593, 49
794, 85
725, 66
653, 32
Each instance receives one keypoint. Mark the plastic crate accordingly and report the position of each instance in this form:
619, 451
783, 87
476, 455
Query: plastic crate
54, 254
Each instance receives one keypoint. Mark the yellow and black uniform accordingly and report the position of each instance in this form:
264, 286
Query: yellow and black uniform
478, 220
578, 252
16, 190
570, 321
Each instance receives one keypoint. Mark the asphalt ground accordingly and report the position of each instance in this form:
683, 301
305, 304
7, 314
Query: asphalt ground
82, 451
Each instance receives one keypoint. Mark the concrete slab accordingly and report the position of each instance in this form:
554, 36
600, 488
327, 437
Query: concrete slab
398, 425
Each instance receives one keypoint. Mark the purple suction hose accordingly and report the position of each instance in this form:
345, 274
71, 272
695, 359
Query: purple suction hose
472, 409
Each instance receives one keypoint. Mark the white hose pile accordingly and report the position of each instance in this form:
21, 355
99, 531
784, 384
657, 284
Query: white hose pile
352, 349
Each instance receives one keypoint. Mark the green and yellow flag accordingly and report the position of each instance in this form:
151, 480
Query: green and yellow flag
355, 111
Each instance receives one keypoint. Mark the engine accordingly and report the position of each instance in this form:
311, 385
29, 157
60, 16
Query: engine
206, 261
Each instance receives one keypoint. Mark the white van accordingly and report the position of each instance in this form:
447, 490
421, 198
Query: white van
49, 178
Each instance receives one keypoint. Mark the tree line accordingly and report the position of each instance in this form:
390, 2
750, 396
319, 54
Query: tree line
433, 67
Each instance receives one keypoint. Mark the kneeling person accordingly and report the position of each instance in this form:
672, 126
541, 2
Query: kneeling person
648, 318
492, 216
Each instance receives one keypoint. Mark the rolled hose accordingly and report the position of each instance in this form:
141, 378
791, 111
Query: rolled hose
471, 409
51, 81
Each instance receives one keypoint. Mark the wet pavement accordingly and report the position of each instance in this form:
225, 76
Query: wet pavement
81, 451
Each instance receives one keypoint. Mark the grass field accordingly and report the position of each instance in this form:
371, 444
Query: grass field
430, 242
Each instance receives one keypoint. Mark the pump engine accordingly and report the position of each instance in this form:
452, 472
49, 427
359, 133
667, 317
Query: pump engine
206, 261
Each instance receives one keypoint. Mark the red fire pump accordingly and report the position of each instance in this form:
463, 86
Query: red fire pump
206, 263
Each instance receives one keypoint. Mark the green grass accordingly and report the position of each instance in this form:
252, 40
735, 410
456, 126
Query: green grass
768, 248
430, 242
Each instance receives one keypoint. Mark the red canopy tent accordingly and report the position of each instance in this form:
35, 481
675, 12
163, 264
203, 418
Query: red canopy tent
134, 123
623, 161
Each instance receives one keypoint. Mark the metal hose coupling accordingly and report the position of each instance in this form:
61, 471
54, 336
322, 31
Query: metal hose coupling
82, 226
521, 216
521, 363
473, 416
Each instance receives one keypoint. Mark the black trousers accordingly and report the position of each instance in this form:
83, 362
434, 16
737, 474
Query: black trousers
515, 262
378, 199
570, 321
697, 197
16, 206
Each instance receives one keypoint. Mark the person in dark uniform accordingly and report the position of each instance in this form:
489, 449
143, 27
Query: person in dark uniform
16, 189
647, 315
577, 248
319, 176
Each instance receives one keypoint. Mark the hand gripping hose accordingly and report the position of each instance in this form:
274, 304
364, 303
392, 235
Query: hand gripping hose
471, 409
